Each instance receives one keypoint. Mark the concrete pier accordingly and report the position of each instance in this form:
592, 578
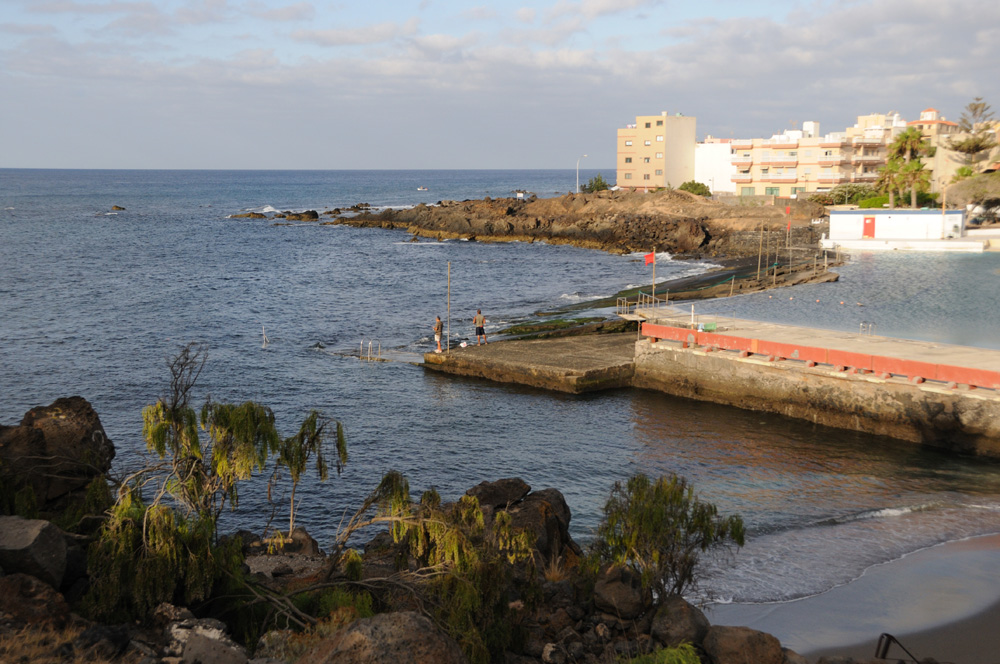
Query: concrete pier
931, 394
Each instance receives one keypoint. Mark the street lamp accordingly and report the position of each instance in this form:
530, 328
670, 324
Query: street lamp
578, 173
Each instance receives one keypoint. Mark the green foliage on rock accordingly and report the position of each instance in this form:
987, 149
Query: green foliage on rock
160, 541
596, 183
695, 187
682, 654
465, 564
660, 528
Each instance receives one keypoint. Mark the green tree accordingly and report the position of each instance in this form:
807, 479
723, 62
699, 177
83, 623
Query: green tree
908, 145
916, 178
852, 192
890, 178
695, 187
295, 452
962, 173
976, 126
160, 542
659, 528
596, 183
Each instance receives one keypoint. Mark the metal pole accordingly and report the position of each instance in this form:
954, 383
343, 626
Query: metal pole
760, 247
578, 173
654, 277
448, 342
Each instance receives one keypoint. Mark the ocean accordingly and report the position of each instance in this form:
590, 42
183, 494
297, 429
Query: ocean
93, 301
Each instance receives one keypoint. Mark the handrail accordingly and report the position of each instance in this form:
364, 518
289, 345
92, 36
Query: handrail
370, 358
885, 641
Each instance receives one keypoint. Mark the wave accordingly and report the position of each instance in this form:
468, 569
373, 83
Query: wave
579, 297
883, 513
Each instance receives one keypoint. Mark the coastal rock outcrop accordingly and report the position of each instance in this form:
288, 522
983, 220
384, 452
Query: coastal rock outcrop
620, 221
33, 546
56, 452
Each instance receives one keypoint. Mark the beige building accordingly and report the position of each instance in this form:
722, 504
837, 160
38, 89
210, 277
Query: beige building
657, 151
802, 161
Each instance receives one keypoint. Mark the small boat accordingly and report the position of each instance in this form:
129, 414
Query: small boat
421, 188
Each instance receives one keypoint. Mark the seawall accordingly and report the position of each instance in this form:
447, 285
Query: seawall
961, 418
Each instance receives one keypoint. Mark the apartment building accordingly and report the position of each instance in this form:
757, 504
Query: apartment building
657, 151
802, 161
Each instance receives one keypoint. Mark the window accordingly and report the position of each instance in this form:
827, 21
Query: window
764, 171
628, 142
798, 190
827, 153
659, 155
645, 176
628, 176
771, 191
659, 171
645, 160
647, 142
746, 191
659, 138
793, 153
647, 125
628, 160
659, 123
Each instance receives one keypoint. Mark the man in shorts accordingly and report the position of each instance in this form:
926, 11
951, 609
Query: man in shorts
479, 320
438, 327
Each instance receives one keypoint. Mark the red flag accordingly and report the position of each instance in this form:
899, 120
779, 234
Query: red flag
650, 258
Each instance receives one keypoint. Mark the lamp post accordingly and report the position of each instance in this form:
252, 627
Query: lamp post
578, 173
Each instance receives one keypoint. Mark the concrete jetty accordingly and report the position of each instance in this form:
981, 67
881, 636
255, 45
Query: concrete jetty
931, 394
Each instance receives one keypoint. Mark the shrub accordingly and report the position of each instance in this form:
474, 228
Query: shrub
682, 654
874, 202
695, 187
596, 183
659, 528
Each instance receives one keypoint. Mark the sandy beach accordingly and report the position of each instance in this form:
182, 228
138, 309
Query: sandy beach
942, 602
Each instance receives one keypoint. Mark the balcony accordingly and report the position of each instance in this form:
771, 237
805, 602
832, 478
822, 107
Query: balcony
865, 140
778, 143
742, 143
834, 143
830, 177
741, 178
868, 159
780, 162
834, 160
864, 177
745, 162
783, 177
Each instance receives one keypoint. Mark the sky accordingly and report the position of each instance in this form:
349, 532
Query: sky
385, 84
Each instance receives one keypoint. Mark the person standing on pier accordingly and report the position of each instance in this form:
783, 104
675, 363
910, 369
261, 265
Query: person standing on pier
479, 320
438, 327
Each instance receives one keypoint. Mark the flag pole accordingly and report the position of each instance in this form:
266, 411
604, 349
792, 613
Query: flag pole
448, 342
654, 277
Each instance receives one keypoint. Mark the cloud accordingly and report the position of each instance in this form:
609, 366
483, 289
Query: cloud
300, 11
591, 9
370, 34
480, 13
525, 15
27, 29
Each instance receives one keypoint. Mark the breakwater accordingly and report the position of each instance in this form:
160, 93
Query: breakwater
908, 390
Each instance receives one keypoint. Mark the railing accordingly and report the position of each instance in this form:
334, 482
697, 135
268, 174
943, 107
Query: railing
864, 177
867, 328
376, 357
624, 307
833, 161
885, 641
739, 161
741, 178
863, 140
649, 301
867, 158
780, 161
830, 177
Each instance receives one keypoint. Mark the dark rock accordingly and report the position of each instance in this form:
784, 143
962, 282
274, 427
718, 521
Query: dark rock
546, 515
500, 494
741, 645
57, 450
201, 649
553, 653
677, 622
33, 546
31, 601
282, 569
166, 613
387, 638
179, 633
302, 543
620, 592
117, 207
249, 215
308, 215
104, 642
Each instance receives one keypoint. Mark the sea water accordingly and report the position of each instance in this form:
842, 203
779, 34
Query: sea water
93, 301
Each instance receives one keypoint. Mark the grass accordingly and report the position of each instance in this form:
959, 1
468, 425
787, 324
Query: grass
548, 326
682, 654
49, 645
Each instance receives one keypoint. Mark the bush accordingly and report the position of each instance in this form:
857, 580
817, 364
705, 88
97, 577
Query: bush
695, 187
659, 529
682, 654
851, 193
821, 198
874, 202
596, 183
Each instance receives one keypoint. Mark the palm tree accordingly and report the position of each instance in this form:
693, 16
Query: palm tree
889, 179
913, 176
908, 144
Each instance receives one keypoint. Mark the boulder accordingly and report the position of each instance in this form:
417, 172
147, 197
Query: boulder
178, 634
619, 592
387, 638
677, 621
741, 645
57, 450
308, 215
500, 494
546, 515
200, 649
33, 546
30, 601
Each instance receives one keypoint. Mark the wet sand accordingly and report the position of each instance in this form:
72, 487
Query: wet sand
942, 602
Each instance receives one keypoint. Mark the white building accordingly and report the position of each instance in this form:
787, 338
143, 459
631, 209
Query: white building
713, 165
919, 230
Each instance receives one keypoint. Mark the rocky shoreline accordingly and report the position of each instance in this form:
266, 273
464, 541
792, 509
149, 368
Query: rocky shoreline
569, 617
